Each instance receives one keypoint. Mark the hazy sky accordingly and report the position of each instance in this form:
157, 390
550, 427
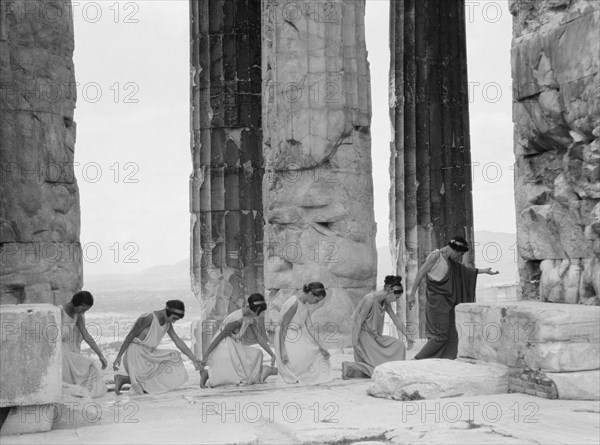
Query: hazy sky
133, 144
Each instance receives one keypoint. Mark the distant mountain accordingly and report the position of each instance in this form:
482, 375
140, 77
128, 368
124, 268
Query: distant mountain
169, 277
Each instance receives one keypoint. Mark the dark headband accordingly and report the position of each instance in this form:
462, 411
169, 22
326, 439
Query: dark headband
458, 245
175, 311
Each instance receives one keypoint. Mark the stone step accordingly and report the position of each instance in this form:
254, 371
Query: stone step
551, 337
583, 385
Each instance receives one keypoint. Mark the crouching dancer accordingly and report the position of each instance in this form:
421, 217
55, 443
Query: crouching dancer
371, 347
153, 370
301, 356
231, 358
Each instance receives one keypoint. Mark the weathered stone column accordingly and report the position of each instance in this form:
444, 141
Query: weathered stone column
40, 253
556, 112
430, 199
226, 182
317, 189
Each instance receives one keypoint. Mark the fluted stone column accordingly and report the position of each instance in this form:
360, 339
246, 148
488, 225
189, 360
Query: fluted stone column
226, 182
317, 187
556, 112
430, 199
40, 253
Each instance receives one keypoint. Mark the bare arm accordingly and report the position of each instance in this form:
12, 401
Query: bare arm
139, 326
425, 268
261, 336
225, 332
181, 345
488, 271
396, 321
80, 323
285, 323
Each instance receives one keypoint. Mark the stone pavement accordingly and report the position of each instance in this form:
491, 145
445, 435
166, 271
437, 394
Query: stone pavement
340, 412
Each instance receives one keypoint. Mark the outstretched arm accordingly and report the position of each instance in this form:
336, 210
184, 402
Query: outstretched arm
487, 271
182, 346
139, 326
80, 323
285, 323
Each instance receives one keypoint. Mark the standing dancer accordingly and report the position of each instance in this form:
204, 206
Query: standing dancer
448, 283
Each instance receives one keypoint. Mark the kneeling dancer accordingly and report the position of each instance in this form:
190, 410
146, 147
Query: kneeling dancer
371, 347
301, 356
231, 358
152, 370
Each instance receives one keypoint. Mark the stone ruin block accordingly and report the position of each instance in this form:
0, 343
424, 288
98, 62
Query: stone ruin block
557, 230
437, 378
571, 281
30, 366
558, 340
556, 112
581, 385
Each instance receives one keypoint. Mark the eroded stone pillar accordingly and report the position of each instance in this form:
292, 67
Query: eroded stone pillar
317, 188
556, 112
430, 199
226, 182
40, 253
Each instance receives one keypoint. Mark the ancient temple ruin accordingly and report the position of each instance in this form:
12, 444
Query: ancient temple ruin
317, 188
281, 186
430, 200
40, 253
556, 112
226, 183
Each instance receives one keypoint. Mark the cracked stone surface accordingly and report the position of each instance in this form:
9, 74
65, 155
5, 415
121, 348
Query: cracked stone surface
317, 188
556, 112
338, 412
226, 181
560, 340
40, 252
438, 378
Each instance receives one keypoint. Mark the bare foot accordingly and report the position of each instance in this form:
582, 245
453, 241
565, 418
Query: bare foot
120, 380
266, 372
345, 370
203, 378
